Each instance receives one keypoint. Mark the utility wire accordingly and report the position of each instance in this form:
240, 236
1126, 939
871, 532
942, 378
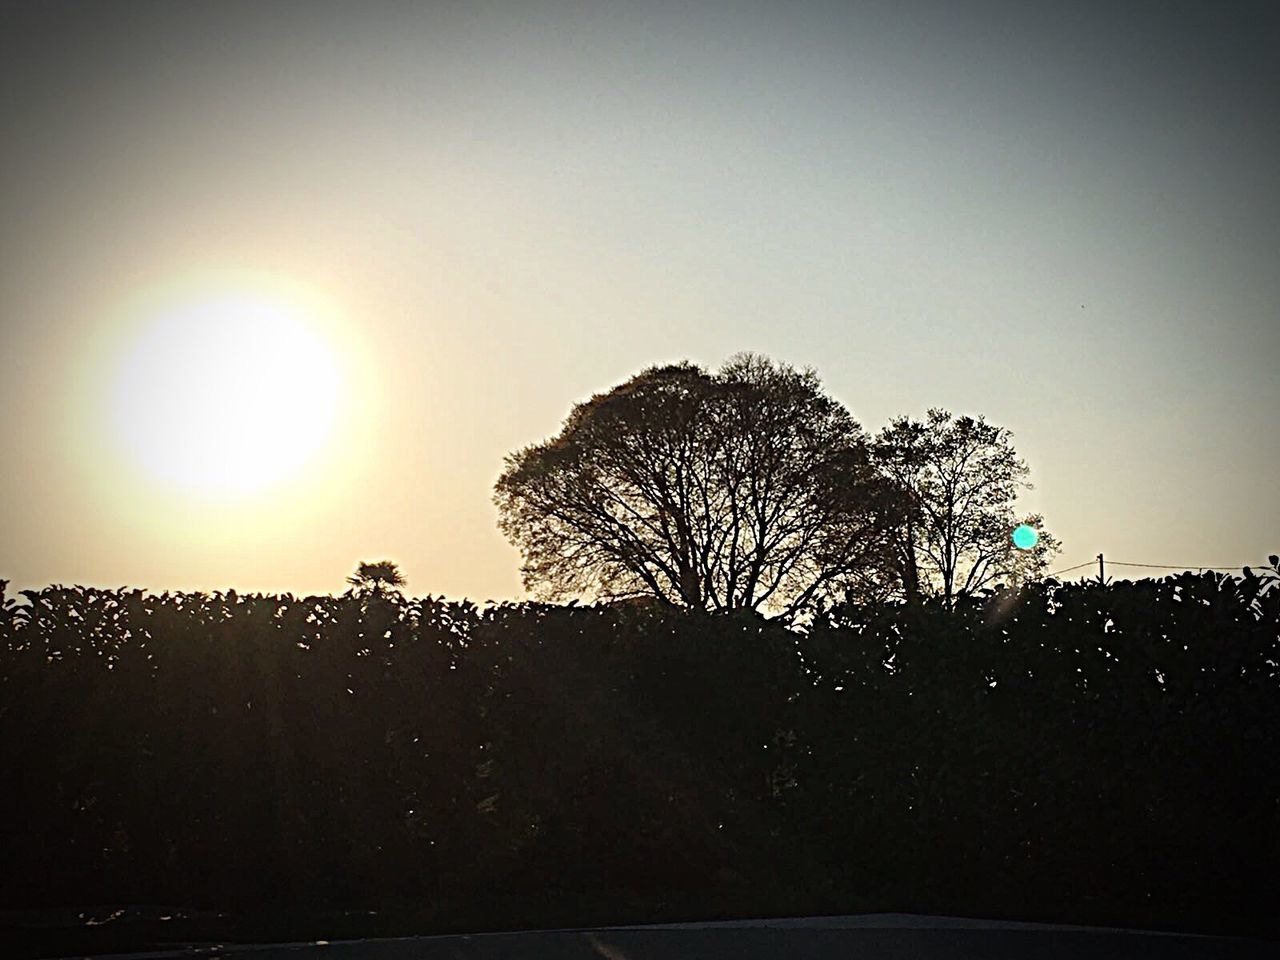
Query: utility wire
1153, 566
1069, 569
1172, 566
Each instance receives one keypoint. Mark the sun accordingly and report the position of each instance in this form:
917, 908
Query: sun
226, 391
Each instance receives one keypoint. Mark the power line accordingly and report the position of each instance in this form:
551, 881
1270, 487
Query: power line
1173, 566
1151, 566
1069, 569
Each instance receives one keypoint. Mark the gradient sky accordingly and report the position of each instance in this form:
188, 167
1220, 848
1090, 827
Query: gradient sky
1064, 217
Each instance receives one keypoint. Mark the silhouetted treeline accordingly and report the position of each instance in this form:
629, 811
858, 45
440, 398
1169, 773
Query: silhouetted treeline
1075, 753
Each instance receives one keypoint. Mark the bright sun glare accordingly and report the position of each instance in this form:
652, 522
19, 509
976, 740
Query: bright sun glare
227, 393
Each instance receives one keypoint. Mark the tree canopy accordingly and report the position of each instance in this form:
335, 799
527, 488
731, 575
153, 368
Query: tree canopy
377, 576
751, 488
744, 488
959, 480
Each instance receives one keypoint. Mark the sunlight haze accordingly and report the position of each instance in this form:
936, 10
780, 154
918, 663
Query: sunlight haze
225, 390
441, 225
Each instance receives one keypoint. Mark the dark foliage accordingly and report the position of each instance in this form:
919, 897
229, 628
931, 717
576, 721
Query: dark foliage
1074, 753
744, 489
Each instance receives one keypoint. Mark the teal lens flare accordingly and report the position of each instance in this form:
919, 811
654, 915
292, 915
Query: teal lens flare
1025, 537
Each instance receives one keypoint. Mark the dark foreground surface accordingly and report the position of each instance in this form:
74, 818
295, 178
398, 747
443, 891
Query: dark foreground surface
868, 937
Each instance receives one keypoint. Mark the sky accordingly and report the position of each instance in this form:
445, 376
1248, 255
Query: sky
1064, 217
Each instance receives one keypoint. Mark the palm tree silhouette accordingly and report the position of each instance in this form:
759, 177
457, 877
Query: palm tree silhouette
379, 576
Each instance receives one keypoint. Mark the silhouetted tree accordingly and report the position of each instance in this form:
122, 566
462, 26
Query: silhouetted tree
379, 576
960, 479
747, 488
